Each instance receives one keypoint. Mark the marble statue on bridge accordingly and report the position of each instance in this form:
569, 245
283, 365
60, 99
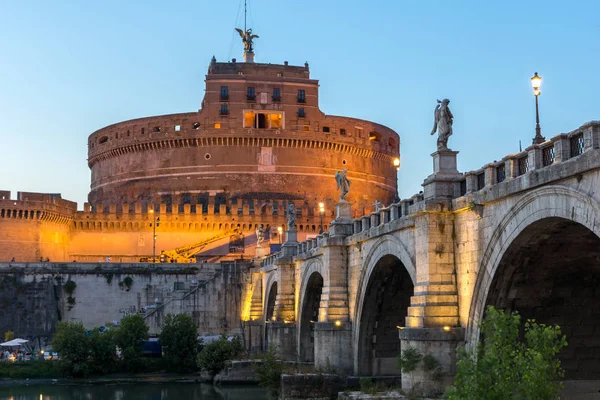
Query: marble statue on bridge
342, 183
442, 123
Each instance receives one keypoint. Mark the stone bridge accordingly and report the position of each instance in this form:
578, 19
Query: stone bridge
521, 234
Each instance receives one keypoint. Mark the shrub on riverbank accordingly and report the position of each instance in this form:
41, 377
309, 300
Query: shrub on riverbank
214, 355
178, 339
506, 367
30, 369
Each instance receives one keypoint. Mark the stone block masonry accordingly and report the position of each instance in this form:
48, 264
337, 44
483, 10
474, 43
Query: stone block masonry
101, 293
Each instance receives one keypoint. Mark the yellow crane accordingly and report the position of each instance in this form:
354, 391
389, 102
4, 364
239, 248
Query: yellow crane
185, 254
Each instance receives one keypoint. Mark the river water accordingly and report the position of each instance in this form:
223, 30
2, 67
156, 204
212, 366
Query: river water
163, 391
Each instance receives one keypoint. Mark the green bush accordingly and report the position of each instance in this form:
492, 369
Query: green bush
103, 350
30, 370
213, 356
504, 367
179, 341
130, 337
269, 370
72, 345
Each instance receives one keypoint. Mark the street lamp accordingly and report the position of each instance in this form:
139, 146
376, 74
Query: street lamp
321, 214
155, 223
397, 165
536, 82
280, 233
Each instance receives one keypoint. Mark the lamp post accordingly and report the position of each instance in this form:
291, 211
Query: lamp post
321, 214
397, 165
280, 233
155, 223
536, 83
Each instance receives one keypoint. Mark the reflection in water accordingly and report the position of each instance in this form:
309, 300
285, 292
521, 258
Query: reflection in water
146, 391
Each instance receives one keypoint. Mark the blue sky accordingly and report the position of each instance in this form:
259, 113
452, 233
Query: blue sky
70, 67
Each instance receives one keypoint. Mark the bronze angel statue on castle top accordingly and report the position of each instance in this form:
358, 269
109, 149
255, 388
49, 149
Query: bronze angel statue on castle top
247, 39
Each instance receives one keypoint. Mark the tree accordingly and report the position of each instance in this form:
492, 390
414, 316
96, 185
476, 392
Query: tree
269, 369
103, 350
130, 337
179, 341
73, 347
504, 367
213, 356
8, 336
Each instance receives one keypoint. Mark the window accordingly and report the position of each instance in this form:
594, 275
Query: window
301, 113
547, 156
156, 129
374, 136
301, 96
276, 94
224, 93
217, 125
500, 173
463, 187
117, 135
392, 142
523, 164
142, 131
358, 131
306, 128
103, 139
342, 132
576, 143
250, 94
224, 109
326, 129
196, 125
177, 128
263, 119
480, 181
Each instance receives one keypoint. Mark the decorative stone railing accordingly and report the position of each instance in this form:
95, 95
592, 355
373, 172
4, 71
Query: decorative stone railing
558, 149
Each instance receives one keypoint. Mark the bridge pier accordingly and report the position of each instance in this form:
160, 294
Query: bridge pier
439, 343
282, 335
333, 346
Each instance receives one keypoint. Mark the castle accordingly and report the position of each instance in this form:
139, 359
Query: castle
206, 181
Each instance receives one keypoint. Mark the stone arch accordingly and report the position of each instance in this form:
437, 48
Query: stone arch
271, 283
314, 267
543, 260
387, 249
567, 203
308, 312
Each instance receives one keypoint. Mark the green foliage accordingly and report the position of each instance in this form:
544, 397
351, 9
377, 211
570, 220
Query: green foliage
366, 384
70, 287
126, 283
8, 336
30, 370
408, 360
269, 370
179, 341
103, 351
508, 368
109, 278
72, 345
432, 365
130, 337
213, 356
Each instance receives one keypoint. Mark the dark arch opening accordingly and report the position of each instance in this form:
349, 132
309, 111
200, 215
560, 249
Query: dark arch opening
270, 310
551, 273
385, 307
310, 315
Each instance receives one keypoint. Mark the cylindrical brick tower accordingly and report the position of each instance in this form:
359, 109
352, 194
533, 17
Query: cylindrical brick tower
259, 135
